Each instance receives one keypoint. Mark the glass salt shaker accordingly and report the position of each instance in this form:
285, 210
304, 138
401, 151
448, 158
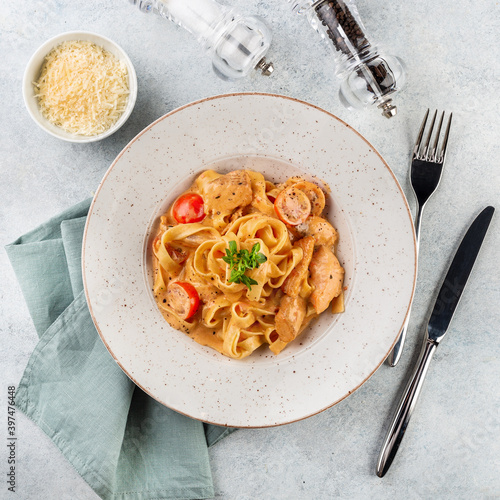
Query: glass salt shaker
236, 43
368, 77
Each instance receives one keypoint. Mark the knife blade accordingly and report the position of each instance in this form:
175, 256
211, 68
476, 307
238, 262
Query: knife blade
444, 308
457, 276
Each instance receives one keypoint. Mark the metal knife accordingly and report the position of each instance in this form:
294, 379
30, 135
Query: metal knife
444, 308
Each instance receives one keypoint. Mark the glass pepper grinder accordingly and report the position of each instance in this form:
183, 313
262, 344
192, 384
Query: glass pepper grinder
236, 43
368, 77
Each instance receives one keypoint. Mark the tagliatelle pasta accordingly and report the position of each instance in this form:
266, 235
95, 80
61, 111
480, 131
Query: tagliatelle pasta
241, 262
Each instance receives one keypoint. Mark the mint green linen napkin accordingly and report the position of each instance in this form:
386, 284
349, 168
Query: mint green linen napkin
121, 441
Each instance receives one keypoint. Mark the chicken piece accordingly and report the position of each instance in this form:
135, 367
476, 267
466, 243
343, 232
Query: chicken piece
290, 316
196, 239
327, 278
226, 193
177, 253
320, 229
293, 283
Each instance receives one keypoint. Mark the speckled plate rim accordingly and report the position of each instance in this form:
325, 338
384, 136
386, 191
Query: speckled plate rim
306, 414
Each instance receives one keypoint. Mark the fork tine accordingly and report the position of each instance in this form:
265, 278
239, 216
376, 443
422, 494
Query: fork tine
426, 145
420, 134
442, 153
432, 155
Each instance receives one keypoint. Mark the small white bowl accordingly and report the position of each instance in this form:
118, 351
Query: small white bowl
32, 73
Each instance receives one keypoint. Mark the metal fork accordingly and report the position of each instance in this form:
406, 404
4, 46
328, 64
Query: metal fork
425, 174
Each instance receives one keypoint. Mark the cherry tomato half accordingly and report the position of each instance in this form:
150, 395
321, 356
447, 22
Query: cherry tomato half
183, 298
188, 208
292, 206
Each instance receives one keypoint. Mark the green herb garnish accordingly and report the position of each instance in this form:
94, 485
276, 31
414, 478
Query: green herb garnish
240, 261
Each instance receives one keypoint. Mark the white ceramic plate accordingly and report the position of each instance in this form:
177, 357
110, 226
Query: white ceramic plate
280, 137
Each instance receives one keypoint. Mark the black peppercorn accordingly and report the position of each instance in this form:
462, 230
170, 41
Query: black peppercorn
342, 28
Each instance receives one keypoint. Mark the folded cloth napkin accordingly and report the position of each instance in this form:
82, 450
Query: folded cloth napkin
122, 442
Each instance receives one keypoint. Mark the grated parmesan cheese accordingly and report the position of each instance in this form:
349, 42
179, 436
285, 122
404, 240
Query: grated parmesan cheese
82, 88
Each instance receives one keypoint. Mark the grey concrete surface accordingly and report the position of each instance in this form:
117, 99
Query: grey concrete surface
452, 448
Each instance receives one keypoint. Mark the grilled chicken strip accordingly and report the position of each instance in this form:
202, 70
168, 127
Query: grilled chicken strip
290, 317
226, 193
327, 278
293, 283
320, 229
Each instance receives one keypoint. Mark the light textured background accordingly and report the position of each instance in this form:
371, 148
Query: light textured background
452, 447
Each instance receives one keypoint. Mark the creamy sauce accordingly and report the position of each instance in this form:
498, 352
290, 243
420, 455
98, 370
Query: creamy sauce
229, 320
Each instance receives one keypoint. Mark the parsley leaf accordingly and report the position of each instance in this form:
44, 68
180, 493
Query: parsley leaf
240, 261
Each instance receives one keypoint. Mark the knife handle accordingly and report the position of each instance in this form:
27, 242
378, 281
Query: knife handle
405, 409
